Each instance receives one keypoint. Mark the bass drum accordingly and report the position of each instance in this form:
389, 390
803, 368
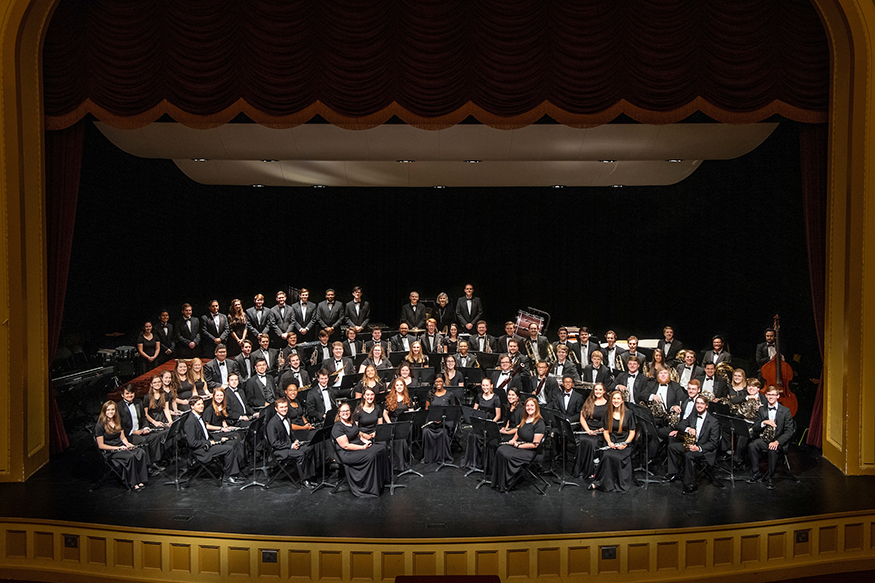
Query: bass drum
524, 320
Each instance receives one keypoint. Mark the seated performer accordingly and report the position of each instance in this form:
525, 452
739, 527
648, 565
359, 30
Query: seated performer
465, 359
377, 338
285, 445
351, 345
322, 351
563, 366
545, 387
571, 345
432, 340
136, 427
451, 340
158, 412
366, 463
217, 370
452, 376
294, 373
436, 435
514, 411
481, 341
714, 383
340, 365
321, 398
509, 334
596, 372
261, 388
270, 355
370, 380
634, 385
699, 436
204, 447
632, 342
614, 472
669, 394
656, 363
117, 450
510, 457
488, 402
401, 342
368, 414
505, 377
568, 402
243, 364
415, 356
592, 416
688, 369
773, 429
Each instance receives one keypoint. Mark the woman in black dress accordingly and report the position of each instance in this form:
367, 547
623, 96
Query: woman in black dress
405, 373
488, 402
376, 358
149, 348
366, 463
451, 342
510, 457
158, 412
198, 380
237, 323
171, 394
416, 357
591, 418
368, 414
614, 473
444, 315
370, 380
118, 451
216, 415
436, 437
513, 414
453, 377
183, 385
397, 402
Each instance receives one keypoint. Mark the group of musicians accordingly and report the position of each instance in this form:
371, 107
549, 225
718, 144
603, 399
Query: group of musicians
613, 398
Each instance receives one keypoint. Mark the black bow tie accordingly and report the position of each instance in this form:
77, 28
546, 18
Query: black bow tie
688, 367
709, 378
773, 408
702, 416
338, 361
631, 376
663, 386
222, 363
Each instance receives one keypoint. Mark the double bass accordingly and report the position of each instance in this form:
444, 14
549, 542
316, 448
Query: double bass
778, 372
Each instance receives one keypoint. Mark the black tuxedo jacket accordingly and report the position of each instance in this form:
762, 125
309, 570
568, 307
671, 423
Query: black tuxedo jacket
501, 343
329, 315
721, 387
698, 371
550, 389
762, 354
197, 442
276, 433
258, 394
627, 355
785, 426
396, 344
575, 404
254, 327
467, 361
352, 350
299, 320
288, 377
568, 367
676, 346
330, 365
474, 343
674, 395
590, 348
411, 318
234, 407
125, 415
362, 319
213, 373
438, 343
210, 332
709, 439
183, 336
281, 323
641, 389
167, 340
464, 317
316, 405
270, 355
603, 376
318, 354
514, 383
724, 357
239, 363
609, 362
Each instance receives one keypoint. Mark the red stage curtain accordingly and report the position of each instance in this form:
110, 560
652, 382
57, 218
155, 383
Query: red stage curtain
813, 147
63, 168
434, 62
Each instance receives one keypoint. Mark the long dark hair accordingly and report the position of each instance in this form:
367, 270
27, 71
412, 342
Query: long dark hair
608, 423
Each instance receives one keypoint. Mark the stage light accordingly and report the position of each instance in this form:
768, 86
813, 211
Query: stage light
607, 161
200, 159
472, 161
675, 160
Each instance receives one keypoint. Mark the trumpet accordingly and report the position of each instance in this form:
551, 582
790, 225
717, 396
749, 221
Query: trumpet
618, 363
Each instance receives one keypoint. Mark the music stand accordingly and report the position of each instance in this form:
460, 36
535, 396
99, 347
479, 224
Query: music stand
564, 428
471, 416
358, 359
419, 395
254, 431
396, 357
173, 433
439, 413
387, 375
435, 359
487, 359
386, 432
320, 437
489, 430
404, 430
473, 375
735, 425
645, 421
425, 376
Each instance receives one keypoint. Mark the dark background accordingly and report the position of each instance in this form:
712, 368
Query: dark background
720, 252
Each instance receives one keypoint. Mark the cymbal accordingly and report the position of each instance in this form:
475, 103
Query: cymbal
416, 330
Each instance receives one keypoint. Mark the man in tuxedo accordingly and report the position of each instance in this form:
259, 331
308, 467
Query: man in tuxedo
303, 316
509, 334
321, 398
214, 330
504, 378
765, 350
188, 334
688, 403
401, 342
352, 345
596, 372
284, 445
164, 332
669, 346
777, 416
545, 387
564, 367
585, 346
465, 359
706, 430
714, 383
670, 394
281, 324
136, 427
236, 402
632, 342
217, 370
412, 313
517, 358
338, 363
292, 348
205, 447
688, 369
612, 353
718, 354
635, 383
329, 314
258, 318
322, 351
481, 341
568, 401
469, 310
377, 338
243, 364
357, 313
537, 343
432, 341
260, 388
264, 351
562, 334
294, 373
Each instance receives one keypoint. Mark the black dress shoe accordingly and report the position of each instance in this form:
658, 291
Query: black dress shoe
690, 489
770, 485
670, 478
754, 478
234, 480
309, 485
738, 466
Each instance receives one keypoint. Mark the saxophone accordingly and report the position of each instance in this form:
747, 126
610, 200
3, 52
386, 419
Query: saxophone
689, 438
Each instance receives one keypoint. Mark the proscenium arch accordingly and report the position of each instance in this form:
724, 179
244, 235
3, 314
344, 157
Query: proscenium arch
849, 398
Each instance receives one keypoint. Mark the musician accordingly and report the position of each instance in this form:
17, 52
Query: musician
563, 366
217, 370
432, 340
376, 358
136, 427
546, 388
258, 318
537, 345
237, 326
481, 341
704, 432
738, 389
260, 389
357, 313
452, 376
451, 340
632, 342
282, 323
488, 402
352, 346
569, 402
167, 338
303, 316
714, 383
401, 342
118, 451
612, 352
596, 372
444, 314
267, 353
505, 378
779, 418
214, 329
669, 346
657, 362
592, 416
236, 403
294, 373
322, 351
148, 349
465, 359
766, 350
468, 309
377, 338
751, 393
521, 449
688, 403
321, 398
633, 383
416, 357
509, 334
158, 412
562, 334
367, 463
670, 394
339, 363
188, 334
585, 346
329, 314
285, 445
292, 347
370, 380
436, 436
718, 354
413, 314
688, 369
205, 447
517, 358
614, 473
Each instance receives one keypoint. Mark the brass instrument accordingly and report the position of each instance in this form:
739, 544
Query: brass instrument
708, 396
551, 354
533, 360
769, 433
680, 357
673, 375
280, 360
689, 439
725, 370
618, 363
657, 408
748, 408
572, 356
674, 417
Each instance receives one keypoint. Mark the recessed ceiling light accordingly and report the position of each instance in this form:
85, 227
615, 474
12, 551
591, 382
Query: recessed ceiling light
319, 186
405, 161
257, 186
439, 186
675, 160
472, 161
617, 185
200, 159
558, 186
607, 161
266, 160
